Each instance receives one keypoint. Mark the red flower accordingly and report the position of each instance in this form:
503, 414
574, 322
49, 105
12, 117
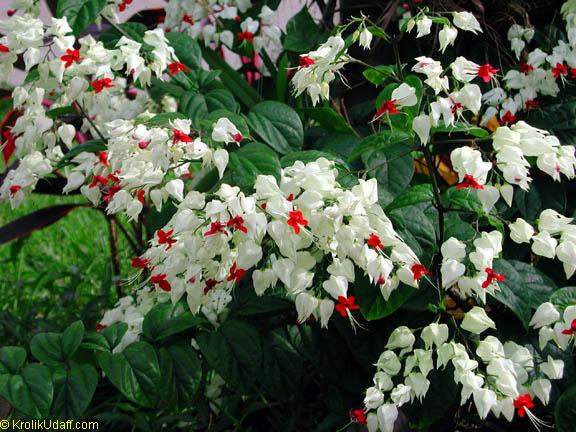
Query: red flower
492, 276
305, 61
187, 19
4, 48
559, 70
98, 179
571, 330
290, 197
166, 238
381, 280
525, 68
103, 157
139, 194
175, 67
246, 36
237, 222
215, 228
469, 182
572, 72
70, 57
522, 403
112, 190
508, 118
14, 189
295, 220
210, 283
143, 144
374, 242
236, 274
100, 327
531, 103
101, 84
486, 72
419, 270
358, 416
180, 136
139, 262
237, 137
345, 304
160, 280
387, 107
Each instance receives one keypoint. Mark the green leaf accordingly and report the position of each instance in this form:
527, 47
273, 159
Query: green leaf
565, 411
135, 372
529, 203
378, 74
73, 391
277, 125
302, 33
61, 112
372, 304
186, 49
164, 119
234, 350
414, 221
29, 392
111, 36
414, 195
12, 358
460, 127
72, 338
47, 348
558, 118
231, 79
262, 157
524, 289
393, 168
240, 172
378, 141
307, 156
282, 367
91, 146
166, 319
186, 369
455, 227
196, 106
564, 297
114, 334
327, 118
80, 13
464, 199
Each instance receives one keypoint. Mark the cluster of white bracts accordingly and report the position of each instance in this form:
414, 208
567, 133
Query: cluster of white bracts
551, 224
500, 378
555, 327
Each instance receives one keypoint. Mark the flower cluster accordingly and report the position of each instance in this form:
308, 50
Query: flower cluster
304, 232
544, 243
500, 378
554, 327
214, 21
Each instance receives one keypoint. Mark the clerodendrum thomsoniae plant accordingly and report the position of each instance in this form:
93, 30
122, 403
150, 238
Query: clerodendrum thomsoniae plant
350, 242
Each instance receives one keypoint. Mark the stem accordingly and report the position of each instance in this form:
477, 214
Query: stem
113, 239
131, 241
102, 137
116, 27
439, 207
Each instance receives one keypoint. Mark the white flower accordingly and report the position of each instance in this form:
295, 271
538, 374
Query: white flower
521, 231
434, 334
488, 196
545, 315
544, 245
553, 369
225, 131
66, 133
466, 21
423, 26
401, 337
490, 348
305, 306
404, 95
389, 363
374, 398
418, 384
400, 395
220, 158
365, 38
326, 310
447, 36
541, 389
467, 161
263, 279
552, 221
476, 321
175, 189
387, 415
484, 399
421, 125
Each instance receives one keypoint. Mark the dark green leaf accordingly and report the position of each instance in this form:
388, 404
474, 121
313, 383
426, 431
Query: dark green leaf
565, 411
302, 33
47, 348
207, 124
186, 369
80, 13
73, 391
234, 350
564, 297
166, 319
378, 74
529, 203
373, 306
91, 146
29, 392
262, 157
327, 118
135, 372
12, 359
186, 49
524, 289
164, 119
277, 125
134, 30
462, 199
414, 195
72, 338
